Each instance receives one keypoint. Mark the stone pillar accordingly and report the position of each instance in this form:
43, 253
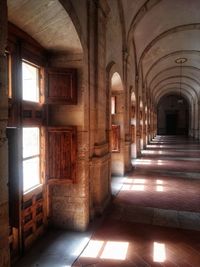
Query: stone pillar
138, 146
99, 141
198, 134
196, 111
4, 246
193, 118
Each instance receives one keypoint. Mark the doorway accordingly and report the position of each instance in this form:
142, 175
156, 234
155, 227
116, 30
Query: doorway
171, 124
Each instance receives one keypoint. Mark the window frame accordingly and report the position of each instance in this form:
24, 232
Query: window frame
113, 104
38, 81
32, 157
32, 122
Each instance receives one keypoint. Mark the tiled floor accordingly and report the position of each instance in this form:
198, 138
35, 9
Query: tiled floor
126, 244
163, 190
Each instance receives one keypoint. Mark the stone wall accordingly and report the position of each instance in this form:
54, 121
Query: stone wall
69, 204
4, 247
99, 184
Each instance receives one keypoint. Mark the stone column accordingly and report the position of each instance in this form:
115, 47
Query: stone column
198, 125
99, 143
4, 246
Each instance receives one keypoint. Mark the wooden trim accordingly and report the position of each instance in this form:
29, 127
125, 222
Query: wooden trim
33, 216
32, 113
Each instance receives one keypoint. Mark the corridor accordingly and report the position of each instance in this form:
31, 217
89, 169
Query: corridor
154, 219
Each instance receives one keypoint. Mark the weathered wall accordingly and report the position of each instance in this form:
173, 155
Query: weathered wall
117, 53
70, 203
118, 158
114, 37
4, 247
100, 155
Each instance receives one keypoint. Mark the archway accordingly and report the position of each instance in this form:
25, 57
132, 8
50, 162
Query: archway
133, 126
58, 59
173, 115
117, 124
141, 126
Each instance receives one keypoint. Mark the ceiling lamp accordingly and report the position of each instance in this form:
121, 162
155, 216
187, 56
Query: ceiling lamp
180, 61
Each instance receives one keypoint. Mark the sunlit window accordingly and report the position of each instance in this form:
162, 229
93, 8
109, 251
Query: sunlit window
30, 82
113, 104
31, 157
9, 75
159, 252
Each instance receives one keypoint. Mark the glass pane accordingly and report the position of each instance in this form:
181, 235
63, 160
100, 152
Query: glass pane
113, 105
31, 143
30, 83
31, 173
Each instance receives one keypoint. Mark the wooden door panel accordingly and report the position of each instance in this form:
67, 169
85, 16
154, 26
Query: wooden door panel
62, 154
115, 139
62, 86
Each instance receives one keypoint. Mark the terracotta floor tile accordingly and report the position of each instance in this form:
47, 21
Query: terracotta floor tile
163, 179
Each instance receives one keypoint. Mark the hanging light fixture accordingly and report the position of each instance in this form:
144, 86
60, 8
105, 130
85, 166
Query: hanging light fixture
180, 61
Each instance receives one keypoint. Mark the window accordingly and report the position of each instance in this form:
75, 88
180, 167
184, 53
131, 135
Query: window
31, 157
30, 82
113, 105
9, 75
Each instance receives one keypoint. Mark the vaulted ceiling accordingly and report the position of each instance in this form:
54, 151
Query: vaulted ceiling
162, 32
47, 22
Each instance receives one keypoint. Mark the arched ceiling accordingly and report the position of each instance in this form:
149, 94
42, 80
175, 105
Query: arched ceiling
47, 22
116, 82
163, 31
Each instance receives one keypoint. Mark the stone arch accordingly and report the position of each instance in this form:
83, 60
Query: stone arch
65, 50
133, 125
116, 120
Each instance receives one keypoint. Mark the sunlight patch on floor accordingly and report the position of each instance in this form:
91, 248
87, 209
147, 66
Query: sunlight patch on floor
159, 186
106, 250
142, 162
93, 248
115, 250
159, 252
134, 185
160, 162
148, 152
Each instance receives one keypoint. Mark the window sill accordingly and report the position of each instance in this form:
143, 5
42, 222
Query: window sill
32, 191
